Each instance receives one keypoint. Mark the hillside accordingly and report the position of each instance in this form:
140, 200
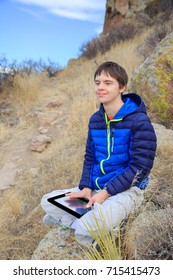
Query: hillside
43, 131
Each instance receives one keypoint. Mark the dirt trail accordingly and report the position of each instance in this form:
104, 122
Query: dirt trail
17, 148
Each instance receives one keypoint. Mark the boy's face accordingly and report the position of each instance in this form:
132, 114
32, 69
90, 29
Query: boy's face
107, 89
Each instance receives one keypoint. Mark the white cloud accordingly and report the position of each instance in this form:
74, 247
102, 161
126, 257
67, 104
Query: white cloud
81, 15
90, 10
38, 15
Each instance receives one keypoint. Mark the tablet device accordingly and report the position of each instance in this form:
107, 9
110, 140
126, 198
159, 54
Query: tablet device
74, 206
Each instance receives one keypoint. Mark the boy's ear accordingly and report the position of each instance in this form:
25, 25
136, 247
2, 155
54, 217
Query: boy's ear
122, 89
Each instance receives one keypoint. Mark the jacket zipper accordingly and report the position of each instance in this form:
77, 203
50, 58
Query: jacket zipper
112, 137
110, 140
110, 145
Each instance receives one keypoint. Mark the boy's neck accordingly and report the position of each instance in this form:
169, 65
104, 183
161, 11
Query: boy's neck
112, 109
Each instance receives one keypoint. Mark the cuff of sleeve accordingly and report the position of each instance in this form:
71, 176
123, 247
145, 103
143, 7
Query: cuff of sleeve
82, 187
105, 188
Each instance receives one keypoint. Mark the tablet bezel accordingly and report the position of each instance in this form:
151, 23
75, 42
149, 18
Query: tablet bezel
65, 208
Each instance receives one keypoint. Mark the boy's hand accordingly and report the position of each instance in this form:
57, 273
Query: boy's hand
85, 192
98, 197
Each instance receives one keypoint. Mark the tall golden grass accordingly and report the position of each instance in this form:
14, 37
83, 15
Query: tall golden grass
107, 244
4, 132
26, 90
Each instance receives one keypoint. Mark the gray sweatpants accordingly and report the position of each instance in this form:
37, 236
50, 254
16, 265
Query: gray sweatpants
108, 214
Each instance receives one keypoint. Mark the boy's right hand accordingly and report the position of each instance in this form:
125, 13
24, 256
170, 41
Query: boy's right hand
85, 192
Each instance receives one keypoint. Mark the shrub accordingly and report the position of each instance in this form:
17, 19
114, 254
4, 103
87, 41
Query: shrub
155, 37
161, 7
103, 43
29, 66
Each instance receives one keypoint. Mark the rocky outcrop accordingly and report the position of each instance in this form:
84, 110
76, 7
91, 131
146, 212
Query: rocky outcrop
154, 81
150, 236
116, 12
58, 244
137, 12
164, 136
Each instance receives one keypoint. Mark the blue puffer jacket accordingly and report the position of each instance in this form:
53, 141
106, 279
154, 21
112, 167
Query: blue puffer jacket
119, 152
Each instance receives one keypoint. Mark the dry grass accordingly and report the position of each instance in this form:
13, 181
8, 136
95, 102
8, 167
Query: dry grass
27, 90
4, 132
148, 233
60, 165
107, 247
124, 54
150, 236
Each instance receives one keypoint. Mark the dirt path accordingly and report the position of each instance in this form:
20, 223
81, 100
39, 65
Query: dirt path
16, 149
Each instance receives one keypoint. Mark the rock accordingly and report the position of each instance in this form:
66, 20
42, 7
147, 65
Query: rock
43, 130
122, 6
13, 121
40, 142
164, 135
6, 111
54, 104
7, 175
46, 118
150, 236
153, 81
58, 244
138, 13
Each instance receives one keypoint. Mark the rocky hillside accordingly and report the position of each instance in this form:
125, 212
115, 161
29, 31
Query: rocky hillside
139, 13
149, 233
42, 145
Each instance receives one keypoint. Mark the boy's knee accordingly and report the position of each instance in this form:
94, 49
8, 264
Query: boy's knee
44, 201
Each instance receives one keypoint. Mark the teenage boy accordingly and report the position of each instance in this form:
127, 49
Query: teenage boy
119, 155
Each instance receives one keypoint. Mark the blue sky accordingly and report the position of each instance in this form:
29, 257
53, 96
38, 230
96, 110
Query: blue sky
48, 29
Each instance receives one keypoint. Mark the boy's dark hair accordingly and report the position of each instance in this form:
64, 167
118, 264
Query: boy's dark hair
115, 71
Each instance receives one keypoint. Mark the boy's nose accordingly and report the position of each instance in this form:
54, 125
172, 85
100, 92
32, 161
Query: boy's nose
101, 86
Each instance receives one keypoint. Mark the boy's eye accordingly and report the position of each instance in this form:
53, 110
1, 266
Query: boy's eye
106, 83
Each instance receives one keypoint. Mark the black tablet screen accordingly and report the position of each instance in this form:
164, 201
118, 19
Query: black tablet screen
74, 206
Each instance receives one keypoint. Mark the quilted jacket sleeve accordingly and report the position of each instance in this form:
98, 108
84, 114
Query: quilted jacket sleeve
87, 166
143, 147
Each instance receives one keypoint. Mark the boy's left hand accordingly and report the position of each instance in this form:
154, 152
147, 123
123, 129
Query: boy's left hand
98, 197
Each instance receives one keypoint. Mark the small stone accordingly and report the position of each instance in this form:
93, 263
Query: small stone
40, 143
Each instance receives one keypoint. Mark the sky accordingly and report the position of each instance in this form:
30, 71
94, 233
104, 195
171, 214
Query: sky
48, 29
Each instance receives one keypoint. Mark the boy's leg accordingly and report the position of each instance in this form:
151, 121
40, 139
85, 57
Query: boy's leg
109, 214
56, 214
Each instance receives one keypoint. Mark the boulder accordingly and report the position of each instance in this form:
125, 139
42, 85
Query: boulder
150, 236
58, 244
153, 81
